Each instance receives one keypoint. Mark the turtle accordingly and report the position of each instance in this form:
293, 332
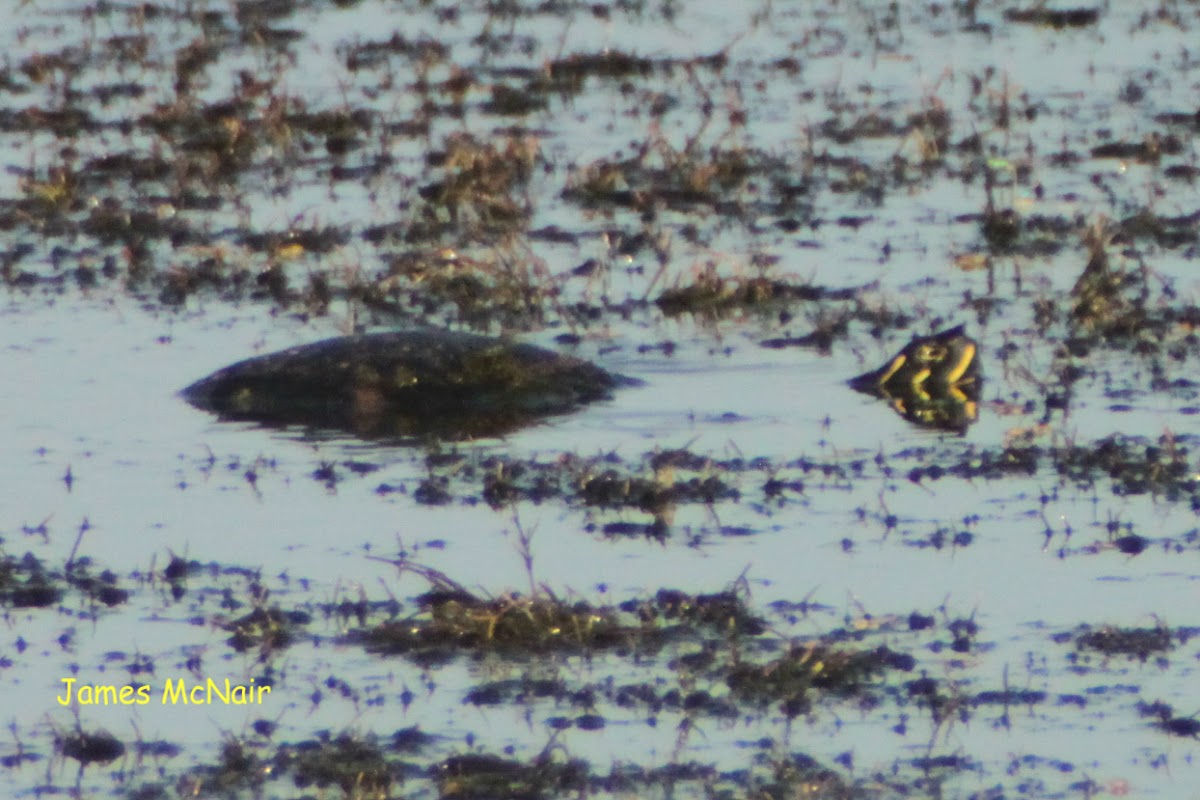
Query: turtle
447, 384
934, 381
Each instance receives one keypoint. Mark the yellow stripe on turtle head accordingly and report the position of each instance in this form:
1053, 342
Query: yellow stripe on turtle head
917, 385
892, 368
965, 359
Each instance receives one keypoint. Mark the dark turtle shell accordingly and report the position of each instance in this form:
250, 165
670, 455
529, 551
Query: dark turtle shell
933, 382
406, 383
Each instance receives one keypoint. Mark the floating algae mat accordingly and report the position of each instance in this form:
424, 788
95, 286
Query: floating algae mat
427, 382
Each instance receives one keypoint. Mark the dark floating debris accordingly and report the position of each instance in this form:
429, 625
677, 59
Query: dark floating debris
1166, 720
1188, 727
478, 775
409, 383
1149, 150
1131, 545
91, 748
1054, 18
934, 382
1140, 643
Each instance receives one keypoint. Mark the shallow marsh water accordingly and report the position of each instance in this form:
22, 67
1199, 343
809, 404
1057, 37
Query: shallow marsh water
819, 156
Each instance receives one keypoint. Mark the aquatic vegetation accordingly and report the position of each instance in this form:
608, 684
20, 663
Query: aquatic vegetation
28, 582
795, 678
268, 629
714, 295
357, 766
526, 624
